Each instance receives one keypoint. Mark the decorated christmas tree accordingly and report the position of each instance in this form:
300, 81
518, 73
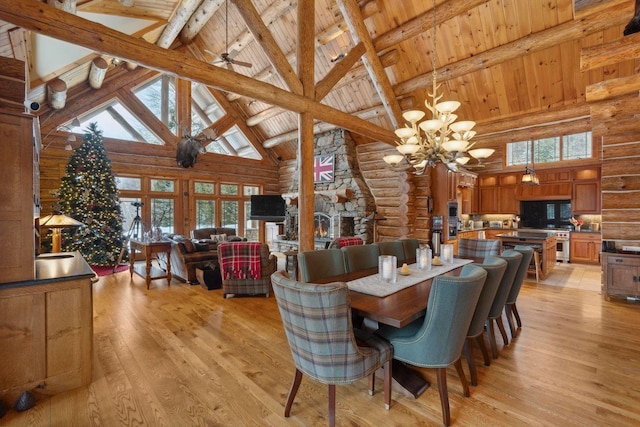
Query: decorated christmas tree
88, 193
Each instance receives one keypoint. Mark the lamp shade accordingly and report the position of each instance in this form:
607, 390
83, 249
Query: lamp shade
59, 220
481, 153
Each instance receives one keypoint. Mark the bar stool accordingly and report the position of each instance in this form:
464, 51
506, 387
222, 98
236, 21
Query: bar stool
534, 265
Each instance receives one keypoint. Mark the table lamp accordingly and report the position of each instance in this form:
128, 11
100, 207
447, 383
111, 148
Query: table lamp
56, 222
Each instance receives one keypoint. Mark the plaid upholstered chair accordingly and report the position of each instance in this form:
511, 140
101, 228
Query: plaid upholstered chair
341, 242
477, 248
436, 340
246, 268
324, 345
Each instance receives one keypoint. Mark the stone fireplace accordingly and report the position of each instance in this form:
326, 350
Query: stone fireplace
342, 205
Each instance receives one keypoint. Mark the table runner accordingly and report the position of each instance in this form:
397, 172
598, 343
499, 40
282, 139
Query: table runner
373, 285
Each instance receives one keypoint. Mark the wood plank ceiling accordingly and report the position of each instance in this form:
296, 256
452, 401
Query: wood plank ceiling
501, 58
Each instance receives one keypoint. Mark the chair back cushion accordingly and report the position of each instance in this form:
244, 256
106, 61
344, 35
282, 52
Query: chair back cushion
393, 248
317, 322
410, 246
314, 265
239, 260
495, 268
513, 259
477, 248
437, 341
527, 254
361, 257
340, 242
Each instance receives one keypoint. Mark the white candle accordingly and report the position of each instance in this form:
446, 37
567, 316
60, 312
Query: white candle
386, 269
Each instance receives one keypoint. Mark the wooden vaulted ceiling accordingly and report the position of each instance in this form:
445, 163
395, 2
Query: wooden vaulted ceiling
501, 59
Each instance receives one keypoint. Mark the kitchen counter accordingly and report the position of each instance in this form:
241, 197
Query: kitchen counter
543, 242
56, 267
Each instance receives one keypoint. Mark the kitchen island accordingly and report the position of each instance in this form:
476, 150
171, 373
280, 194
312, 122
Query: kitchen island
541, 241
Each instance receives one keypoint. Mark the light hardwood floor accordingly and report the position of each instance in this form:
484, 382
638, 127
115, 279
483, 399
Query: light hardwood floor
181, 356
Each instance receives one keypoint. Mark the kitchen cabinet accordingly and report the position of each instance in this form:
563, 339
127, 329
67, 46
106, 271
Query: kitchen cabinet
621, 275
586, 197
20, 199
46, 328
585, 247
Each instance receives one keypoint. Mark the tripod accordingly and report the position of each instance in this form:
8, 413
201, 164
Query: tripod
134, 230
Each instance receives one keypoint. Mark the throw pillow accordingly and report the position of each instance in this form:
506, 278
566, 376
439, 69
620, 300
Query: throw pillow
188, 246
218, 237
201, 247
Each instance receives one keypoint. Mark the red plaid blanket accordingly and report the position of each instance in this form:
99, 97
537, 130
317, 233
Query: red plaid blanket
239, 260
349, 241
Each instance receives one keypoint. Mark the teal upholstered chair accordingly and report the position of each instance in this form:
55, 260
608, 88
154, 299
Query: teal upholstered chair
314, 265
436, 340
361, 257
513, 258
495, 268
324, 345
410, 246
510, 305
477, 248
393, 248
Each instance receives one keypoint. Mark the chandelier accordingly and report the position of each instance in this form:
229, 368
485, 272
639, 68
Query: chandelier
439, 139
529, 177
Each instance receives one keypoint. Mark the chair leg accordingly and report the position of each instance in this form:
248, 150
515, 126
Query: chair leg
468, 352
507, 312
444, 395
372, 384
388, 381
517, 316
332, 405
505, 338
292, 392
492, 339
483, 350
463, 378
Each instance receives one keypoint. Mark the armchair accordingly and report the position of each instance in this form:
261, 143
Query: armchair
186, 256
246, 268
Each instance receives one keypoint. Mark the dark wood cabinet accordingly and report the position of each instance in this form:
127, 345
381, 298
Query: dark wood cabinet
585, 247
621, 275
586, 197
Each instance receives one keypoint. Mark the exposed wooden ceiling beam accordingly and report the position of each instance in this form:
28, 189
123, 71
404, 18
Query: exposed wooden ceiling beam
360, 34
339, 70
613, 88
180, 17
32, 15
199, 19
572, 30
610, 53
266, 40
368, 8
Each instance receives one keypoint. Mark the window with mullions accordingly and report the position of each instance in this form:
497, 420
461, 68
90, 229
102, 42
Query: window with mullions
548, 150
159, 96
162, 214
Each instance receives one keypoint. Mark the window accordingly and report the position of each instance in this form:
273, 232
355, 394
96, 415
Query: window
548, 150
162, 214
159, 96
230, 214
229, 189
128, 183
131, 219
251, 231
204, 188
162, 185
205, 213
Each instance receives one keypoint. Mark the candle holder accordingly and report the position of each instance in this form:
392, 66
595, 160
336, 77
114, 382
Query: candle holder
447, 253
423, 258
387, 268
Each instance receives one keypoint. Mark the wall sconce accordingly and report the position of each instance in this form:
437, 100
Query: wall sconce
56, 222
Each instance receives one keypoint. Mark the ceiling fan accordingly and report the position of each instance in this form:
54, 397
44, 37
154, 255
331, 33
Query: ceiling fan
226, 57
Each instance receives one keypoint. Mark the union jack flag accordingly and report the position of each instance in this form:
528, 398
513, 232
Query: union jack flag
323, 168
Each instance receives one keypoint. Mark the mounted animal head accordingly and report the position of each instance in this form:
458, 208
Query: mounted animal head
190, 146
634, 25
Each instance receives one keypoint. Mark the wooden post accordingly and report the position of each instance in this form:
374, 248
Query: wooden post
57, 93
98, 72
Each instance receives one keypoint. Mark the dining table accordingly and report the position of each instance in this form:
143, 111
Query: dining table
396, 309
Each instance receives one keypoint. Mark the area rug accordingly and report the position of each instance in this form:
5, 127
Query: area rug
105, 270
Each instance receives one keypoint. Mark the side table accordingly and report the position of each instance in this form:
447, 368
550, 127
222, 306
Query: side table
149, 249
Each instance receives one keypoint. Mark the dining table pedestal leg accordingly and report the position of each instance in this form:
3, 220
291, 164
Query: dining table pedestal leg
409, 381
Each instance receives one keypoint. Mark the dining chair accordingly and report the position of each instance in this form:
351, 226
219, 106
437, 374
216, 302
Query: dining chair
409, 246
477, 248
314, 265
436, 340
324, 345
510, 309
393, 247
513, 259
361, 257
495, 268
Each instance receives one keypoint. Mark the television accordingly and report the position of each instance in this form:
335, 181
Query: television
267, 208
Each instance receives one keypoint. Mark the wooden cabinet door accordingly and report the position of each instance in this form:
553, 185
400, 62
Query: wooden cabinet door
581, 251
488, 200
507, 200
586, 197
622, 275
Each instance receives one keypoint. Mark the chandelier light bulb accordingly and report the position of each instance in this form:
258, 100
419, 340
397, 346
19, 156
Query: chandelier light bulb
481, 153
463, 160
462, 126
431, 126
447, 107
393, 159
404, 133
408, 148
413, 116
